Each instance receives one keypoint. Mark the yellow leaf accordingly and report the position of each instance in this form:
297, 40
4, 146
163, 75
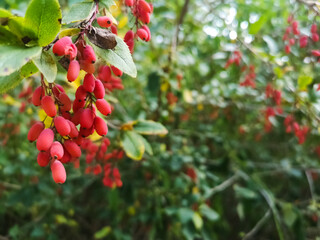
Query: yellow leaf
95, 136
200, 106
164, 87
42, 115
123, 22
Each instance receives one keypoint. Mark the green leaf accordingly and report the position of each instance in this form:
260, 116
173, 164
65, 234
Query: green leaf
209, 213
197, 220
185, 215
7, 37
28, 70
24, 32
255, 27
106, 3
47, 66
78, 12
304, 82
102, 233
10, 81
133, 145
244, 192
119, 57
147, 145
289, 215
45, 17
148, 127
5, 13
13, 58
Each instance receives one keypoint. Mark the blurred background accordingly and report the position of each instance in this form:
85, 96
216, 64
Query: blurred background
220, 77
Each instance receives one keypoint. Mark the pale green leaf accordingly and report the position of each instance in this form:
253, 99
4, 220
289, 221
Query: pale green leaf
304, 82
148, 127
256, 27
47, 66
197, 220
209, 213
133, 145
78, 12
119, 57
106, 3
13, 58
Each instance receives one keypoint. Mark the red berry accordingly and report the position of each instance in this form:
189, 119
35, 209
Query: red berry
87, 118
71, 50
99, 90
35, 131
129, 36
89, 82
37, 96
303, 41
62, 126
66, 157
103, 107
58, 172
314, 28
287, 49
129, 3
87, 66
73, 130
47, 103
56, 150
114, 29
65, 102
142, 34
77, 104
60, 46
81, 93
144, 6
72, 148
145, 27
100, 126
73, 70
57, 89
315, 37
104, 21
144, 17
116, 71
88, 54
85, 132
45, 140
291, 41
43, 159
105, 73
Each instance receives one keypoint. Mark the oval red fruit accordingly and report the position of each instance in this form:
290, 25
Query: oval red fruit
60, 46
73, 70
99, 90
88, 54
62, 126
37, 96
43, 159
35, 131
45, 140
116, 71
59, 174
100, 126
103, 106
142, 34
89, 82
47, 103
72, 148
104, 21
56, 150
87, 118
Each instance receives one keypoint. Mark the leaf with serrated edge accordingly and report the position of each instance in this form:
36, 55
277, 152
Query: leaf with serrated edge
119, 57
133, 145
47, 66
13, 58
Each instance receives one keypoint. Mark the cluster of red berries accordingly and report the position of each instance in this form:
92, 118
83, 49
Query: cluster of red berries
293, 126
234, 59
62, 140
142, 12
250, 77
274, 94
292, 35
99, 161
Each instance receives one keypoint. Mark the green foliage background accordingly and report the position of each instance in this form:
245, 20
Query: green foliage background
268, 187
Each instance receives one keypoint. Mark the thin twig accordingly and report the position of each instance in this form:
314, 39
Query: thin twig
258, 226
